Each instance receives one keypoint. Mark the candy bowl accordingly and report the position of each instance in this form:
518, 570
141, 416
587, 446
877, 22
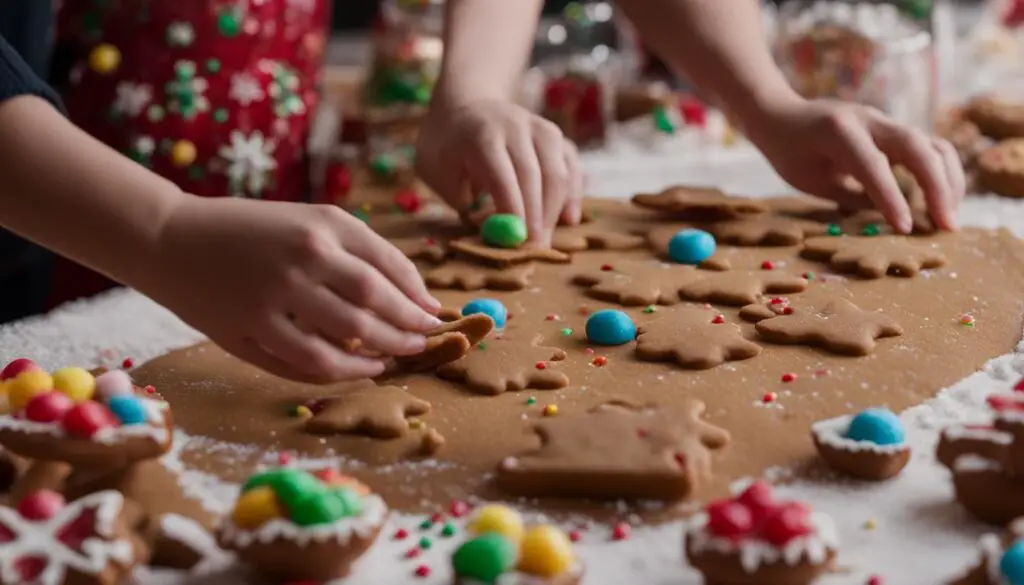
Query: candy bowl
293, 525
869, 445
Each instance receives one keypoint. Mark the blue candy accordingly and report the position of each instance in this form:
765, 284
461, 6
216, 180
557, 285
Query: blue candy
1012, 563
490, 307
691, 247
610, 327
878, 426
128, 409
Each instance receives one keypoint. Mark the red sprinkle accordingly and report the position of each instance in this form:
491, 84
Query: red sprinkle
542, 366
128, 363
551, 317
412, 553
150, 389
788, 377
769, 397
600, 361
787, 311
1019, 386
422, 571
436, 517
767, 265
622, 531
284, 458
575, 536
408, 201
458, 508
778, 301
401, 534
606, 267
718, 320
874, 580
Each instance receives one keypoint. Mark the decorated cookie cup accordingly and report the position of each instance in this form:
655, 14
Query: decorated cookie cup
292, 525
1001, 558
985, 489
573, 576
861, 458
753, 540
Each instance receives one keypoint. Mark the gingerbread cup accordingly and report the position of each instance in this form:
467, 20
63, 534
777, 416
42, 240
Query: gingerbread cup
982, 440
985, 489
861, 459
721, 568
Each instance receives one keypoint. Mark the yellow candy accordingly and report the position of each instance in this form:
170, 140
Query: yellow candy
183, 153
545, 551
21, 389
5, 407
498, 519
104, 58
78, 384
256, 507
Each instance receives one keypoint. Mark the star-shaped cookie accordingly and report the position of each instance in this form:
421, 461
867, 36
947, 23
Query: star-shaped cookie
765, 230
739, 287
703, 203
873, 256
379, 412
637, 283
689, 337
507, 365
835, 325
617, 451
473, 249
463, 275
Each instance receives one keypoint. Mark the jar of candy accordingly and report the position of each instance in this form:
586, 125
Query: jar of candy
876, 52
407, 49
578, 96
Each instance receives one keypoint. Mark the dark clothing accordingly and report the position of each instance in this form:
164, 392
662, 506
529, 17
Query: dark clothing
26, 270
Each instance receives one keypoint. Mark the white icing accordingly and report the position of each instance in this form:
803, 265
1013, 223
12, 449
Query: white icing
962, 433
155, 427
973, 463
39, 539
373, 516
191, 534
754, 552
991, 553
832, 432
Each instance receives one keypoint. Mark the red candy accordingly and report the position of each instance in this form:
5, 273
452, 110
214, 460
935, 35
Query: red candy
758, 498
1018, 387
16, 367
40, 506
458, 508
730, 519
788, 521
86, 418
338, 181
49, 407
622, 531
408, 201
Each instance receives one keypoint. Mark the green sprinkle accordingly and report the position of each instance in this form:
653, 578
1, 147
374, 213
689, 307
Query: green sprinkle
834, 229
425, 543
566, 331
448, 530
662, 122
482, 345
870, 230
426, 524
383, 165
650, 309
361, 215
531, 401
213, 65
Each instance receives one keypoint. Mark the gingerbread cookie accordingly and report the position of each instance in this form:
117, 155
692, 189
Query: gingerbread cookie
291, 525
766, 230
739, 287
753, 539
999, 561
869, 445
699, 203
589, 235
799, 206
835, 325
467, 276
964, 135
873, 257
446, 343
474, 249
377, 412
637, 283
694, 338
1001, 168
92, 540
997, 118
507, 365
617, 451
429, 249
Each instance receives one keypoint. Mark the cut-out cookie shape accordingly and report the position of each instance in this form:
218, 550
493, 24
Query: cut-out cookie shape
1001, 168
378, 412
463, 275
507, 365
864, 458
799, 205
699, 203
658, 239
753, 539
997, 117
766, 230
92, 540
637, 283
291, 525
835, 325
873, 257
473, 249
446, 343
593, 236
987, 462
617, 451
691, 337
992, 548
428, 249
739, 287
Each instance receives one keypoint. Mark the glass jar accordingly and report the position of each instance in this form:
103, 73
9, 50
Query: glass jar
406, 55
875, 52
578, 96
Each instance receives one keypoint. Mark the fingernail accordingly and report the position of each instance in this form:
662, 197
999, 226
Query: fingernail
433, 303
417, 342
906, 225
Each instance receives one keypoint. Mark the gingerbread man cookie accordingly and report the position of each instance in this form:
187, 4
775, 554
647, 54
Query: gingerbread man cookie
701, 203
873, 257
463, 275
507, 365
835, 325
637, 283
617, 451
1001, 168
693, 338
740, 287
997, 118
475, 250
766, 230
378, 412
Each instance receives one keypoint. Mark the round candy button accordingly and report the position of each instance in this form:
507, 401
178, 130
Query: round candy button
878, 426
497, 519
490, 307
1012, 564
113, 383
128, 409
484, 558
691, 247
503, 230
545, 551
77, 383
610, 327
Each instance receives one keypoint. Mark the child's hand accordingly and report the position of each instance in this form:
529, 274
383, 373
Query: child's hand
284, 285
814, 144
496, 147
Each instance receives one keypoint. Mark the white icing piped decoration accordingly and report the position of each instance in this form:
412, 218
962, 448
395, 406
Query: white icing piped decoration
973, 463
991, 553
189, 533
374, 513
832, 432
155, 427
966, 433
39, 539
754, 552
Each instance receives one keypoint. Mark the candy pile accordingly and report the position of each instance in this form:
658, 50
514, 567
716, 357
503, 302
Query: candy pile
71, 397
305, 499
501, 545
755, 514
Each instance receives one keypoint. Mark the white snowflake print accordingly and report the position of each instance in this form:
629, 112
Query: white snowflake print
246, 89
302, 5
132, 98
250, 163
180, 34
145, 145
187, 92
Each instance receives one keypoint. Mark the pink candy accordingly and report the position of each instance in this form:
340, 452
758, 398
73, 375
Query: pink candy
113, 383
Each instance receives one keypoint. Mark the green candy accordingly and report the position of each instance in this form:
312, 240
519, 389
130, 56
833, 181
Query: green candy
351, 501
484, 558
317, 508
834, 230
290, 485
503, 230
